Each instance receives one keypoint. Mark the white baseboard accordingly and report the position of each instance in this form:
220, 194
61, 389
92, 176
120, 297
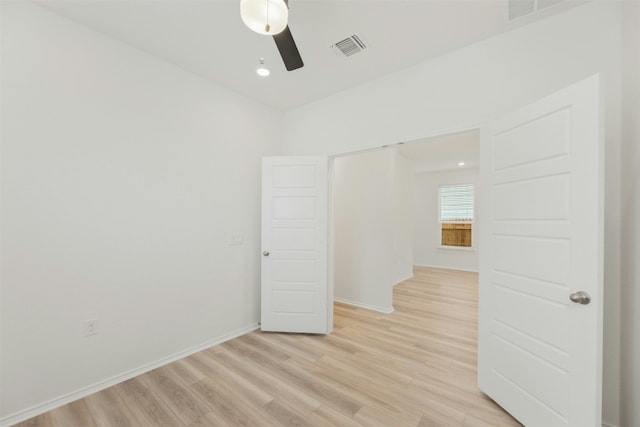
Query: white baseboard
36, 410
385, 310
406, 278
445, 268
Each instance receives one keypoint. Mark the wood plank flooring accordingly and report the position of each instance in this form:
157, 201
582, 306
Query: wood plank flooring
415, 367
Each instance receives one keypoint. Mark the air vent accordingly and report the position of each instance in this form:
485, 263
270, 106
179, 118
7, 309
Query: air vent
519, 8
349, 46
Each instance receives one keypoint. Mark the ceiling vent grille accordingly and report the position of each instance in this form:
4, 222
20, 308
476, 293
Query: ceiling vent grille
349, 46
519, 8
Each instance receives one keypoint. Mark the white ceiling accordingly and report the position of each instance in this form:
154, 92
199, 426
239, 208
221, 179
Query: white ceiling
443, 153
208, 38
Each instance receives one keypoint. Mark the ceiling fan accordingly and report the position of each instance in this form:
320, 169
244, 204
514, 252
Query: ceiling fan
270, 17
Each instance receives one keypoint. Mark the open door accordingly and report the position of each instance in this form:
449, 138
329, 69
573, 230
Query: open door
541, 263
296, 296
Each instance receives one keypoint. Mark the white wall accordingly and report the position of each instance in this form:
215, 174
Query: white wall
122, 180
363, 238
468, 87
371, 202
402, 219
631, 215
426, 227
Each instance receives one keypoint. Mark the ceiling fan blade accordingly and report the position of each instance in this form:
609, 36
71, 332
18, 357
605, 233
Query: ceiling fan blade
288, 50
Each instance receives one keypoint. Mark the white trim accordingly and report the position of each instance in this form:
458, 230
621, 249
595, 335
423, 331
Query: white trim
457, 248
608, 425
445, 268
409, 140
36, 410
331, 250
385, 310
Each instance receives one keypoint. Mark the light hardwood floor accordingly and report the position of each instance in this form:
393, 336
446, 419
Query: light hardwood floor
414, 367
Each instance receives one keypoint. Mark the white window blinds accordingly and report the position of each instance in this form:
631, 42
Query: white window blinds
456, 203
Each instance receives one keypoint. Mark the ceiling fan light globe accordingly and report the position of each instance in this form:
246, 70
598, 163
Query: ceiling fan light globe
254, 15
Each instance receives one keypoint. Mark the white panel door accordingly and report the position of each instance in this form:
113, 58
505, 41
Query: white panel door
295, 287
540, 353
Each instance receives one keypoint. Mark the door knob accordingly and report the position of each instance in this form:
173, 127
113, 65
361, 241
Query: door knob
265, 253
580, 297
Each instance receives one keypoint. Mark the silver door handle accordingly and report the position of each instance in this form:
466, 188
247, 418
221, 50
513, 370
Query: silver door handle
580, 297
265, 253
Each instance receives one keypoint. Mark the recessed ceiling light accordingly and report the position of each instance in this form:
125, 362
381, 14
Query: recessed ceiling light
262, 69
461, 164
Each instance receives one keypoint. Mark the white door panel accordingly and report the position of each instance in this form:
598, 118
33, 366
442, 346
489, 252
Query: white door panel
295, 294
540, 355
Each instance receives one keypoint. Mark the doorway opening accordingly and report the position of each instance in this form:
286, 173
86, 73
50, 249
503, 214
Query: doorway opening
385, 215
388, 256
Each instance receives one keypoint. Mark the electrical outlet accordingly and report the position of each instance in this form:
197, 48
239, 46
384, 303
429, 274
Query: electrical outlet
91, 327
